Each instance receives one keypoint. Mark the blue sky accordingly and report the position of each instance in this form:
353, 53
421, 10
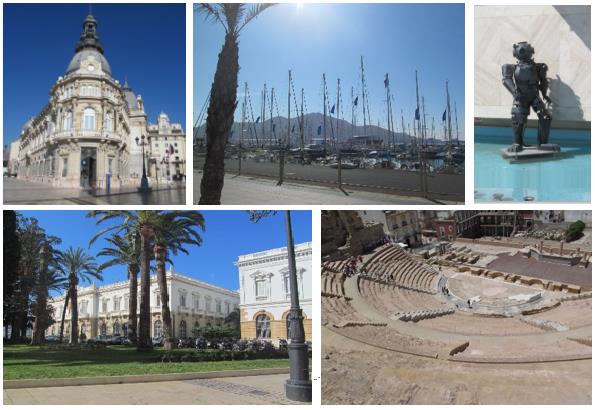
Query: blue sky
146, 42
311, 39
228, 234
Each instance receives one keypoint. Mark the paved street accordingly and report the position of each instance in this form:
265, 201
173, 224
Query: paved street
449, 187
244, 190
34, 193
268, 389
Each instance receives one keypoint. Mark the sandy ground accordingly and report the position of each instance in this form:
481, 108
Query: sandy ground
355, 373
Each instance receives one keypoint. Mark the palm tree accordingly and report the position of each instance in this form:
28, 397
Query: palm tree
140, 223
165, 232
47, 279
79, 266
125, 250
222, 101
32, 238
173, 230
66, 302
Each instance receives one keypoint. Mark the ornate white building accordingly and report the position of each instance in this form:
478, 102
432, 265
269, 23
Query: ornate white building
92, 127
264, 291
104, 310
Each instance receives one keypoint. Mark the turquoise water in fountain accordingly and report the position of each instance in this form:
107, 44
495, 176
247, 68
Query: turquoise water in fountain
565, 178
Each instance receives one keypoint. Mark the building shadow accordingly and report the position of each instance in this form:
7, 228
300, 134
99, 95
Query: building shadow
583, 31
564, 97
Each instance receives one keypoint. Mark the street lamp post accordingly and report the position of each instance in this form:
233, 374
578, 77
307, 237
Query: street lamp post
299, 386
144, 182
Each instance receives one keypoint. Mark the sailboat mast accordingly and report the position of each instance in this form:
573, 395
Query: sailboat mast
352, 115
449, 121
417, 112
302, 129
324, 108
457, 122
264, 112
420, 146
363, 94
386, 86
403, 125
272, 128
289, 111
242, 129
338, 146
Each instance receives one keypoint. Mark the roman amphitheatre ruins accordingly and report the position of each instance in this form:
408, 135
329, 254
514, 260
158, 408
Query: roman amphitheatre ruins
458, 325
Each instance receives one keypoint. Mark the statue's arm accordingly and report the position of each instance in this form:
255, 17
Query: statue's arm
507, 78
543, 81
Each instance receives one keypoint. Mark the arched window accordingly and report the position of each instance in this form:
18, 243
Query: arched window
157, 328
195, 329
183, 329
103, 329
109, 121
89, 119
68, 120
117, 329
83, 330
263, 327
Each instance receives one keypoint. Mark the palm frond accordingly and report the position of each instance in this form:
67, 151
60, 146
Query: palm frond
212, 12
254, 11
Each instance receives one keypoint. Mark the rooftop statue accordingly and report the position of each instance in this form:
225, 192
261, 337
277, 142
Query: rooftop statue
526, 80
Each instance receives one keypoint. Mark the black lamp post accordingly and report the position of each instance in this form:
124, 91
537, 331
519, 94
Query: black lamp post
299, 385
144, 182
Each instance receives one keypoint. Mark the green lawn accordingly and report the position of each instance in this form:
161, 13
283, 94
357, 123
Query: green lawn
32, 362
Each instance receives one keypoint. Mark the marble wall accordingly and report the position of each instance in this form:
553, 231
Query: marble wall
561, 36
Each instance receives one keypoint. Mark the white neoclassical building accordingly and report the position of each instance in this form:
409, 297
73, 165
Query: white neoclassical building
264, 291
92, 129
104, 310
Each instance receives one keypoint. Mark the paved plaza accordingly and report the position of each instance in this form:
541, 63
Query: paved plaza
21, 192
238, 190
269, 389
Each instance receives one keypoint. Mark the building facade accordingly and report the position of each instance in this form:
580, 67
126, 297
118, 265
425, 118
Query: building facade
265, 294
92, 128
402, 226
104, 310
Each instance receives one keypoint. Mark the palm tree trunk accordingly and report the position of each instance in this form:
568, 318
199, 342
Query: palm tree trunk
144, 325
132, 302
74, 328
66, 301
222, 105
162, 283
42, 297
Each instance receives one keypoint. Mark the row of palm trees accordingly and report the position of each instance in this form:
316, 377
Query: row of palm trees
134, 239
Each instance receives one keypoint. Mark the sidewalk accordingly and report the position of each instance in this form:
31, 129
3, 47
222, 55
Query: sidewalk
35, 193
230, 390
245, 190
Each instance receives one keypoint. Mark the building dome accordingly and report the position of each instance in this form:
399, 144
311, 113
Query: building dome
88, 46
82, 55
